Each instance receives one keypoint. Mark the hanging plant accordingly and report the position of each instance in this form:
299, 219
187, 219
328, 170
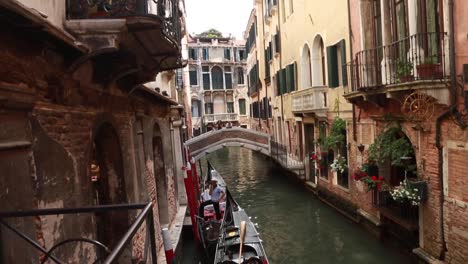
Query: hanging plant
336, 138
388, 146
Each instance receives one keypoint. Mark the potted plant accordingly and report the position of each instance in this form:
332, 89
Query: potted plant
430, 69
388, 146
404, 71
407, 193
339, 164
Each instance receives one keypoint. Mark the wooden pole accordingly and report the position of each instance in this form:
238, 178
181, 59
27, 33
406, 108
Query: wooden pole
242, 237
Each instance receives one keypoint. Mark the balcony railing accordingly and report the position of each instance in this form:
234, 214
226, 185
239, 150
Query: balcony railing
310, 99
419, 57
166, 10
146, 215
224, 117
403, 214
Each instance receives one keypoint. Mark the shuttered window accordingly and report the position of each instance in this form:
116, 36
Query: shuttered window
193, 74
228, 77
336, 63
193, 53
217, 78
242, 107
227, 53
206, 78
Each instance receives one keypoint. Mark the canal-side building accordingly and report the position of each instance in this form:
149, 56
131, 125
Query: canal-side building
217, 79
300, 55
407, 84
83, 134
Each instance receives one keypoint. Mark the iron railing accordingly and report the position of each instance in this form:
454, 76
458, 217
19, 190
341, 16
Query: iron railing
404, 211
419, 57
146, 215
167, 10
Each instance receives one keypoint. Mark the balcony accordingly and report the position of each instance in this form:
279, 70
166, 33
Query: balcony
143, 36
224, 117
418, 62
310, 100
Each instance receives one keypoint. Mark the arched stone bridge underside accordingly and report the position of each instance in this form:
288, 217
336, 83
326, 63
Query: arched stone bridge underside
228, 137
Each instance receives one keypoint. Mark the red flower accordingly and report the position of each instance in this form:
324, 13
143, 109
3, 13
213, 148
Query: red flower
374, 178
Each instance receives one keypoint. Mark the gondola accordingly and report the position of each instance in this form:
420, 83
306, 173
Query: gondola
233, 238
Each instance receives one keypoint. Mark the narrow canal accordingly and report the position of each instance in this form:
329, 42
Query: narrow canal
295, 226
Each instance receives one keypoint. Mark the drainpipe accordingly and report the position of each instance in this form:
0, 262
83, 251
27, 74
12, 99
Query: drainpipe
351, 58
440, 118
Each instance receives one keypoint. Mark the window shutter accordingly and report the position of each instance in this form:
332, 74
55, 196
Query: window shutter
283, 81
294, 76
344, 69
333, 80
288, 78
278, 84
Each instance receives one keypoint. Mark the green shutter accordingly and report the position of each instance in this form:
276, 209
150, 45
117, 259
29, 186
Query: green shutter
294, 76
288, 78
278, 84
332, 63
284, 88
344, 68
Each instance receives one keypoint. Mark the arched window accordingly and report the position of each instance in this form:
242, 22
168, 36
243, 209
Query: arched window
318, 62
217, 78
306, 68
196, 108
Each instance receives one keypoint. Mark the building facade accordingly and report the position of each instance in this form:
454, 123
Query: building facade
364, 100
83, 136
301, 80
406, 83
217, 80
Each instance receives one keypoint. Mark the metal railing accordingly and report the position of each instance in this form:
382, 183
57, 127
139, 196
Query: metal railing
309, 99
167, 10
404, 211
146, 215
418, 57
224, 117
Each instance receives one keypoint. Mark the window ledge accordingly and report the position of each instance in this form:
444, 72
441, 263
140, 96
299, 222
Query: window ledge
324, 179
342, 188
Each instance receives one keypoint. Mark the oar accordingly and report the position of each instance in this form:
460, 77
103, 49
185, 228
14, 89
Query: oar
242, 237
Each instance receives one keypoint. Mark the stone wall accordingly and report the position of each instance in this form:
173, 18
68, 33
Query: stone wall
57, 128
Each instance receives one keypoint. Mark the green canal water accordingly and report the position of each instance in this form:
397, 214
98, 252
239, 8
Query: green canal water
295, 226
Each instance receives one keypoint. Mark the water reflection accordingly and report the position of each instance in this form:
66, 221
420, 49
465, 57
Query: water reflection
295, 226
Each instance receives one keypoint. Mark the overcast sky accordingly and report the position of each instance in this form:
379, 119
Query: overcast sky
227, 16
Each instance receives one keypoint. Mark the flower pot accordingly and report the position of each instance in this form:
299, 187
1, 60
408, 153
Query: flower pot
421, 186
429, 71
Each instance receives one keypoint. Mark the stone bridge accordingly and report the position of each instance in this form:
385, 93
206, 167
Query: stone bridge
228, 137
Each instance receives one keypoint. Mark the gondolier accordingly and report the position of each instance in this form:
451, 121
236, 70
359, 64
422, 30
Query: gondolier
217, 195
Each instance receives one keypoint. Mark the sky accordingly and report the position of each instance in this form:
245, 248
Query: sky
227, 16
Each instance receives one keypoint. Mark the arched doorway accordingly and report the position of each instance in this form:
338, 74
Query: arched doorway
160, 176
107, 176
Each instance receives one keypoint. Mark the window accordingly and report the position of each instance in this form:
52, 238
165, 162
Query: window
240, 76
208, 108
227, 53
206, 78
286, 79
336, 59
228, 77
277, 41
193, 73
230, 107
206, 54
196, 108
242, 110
306, 68
318, 62
217, 78
193, 53
242, 54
